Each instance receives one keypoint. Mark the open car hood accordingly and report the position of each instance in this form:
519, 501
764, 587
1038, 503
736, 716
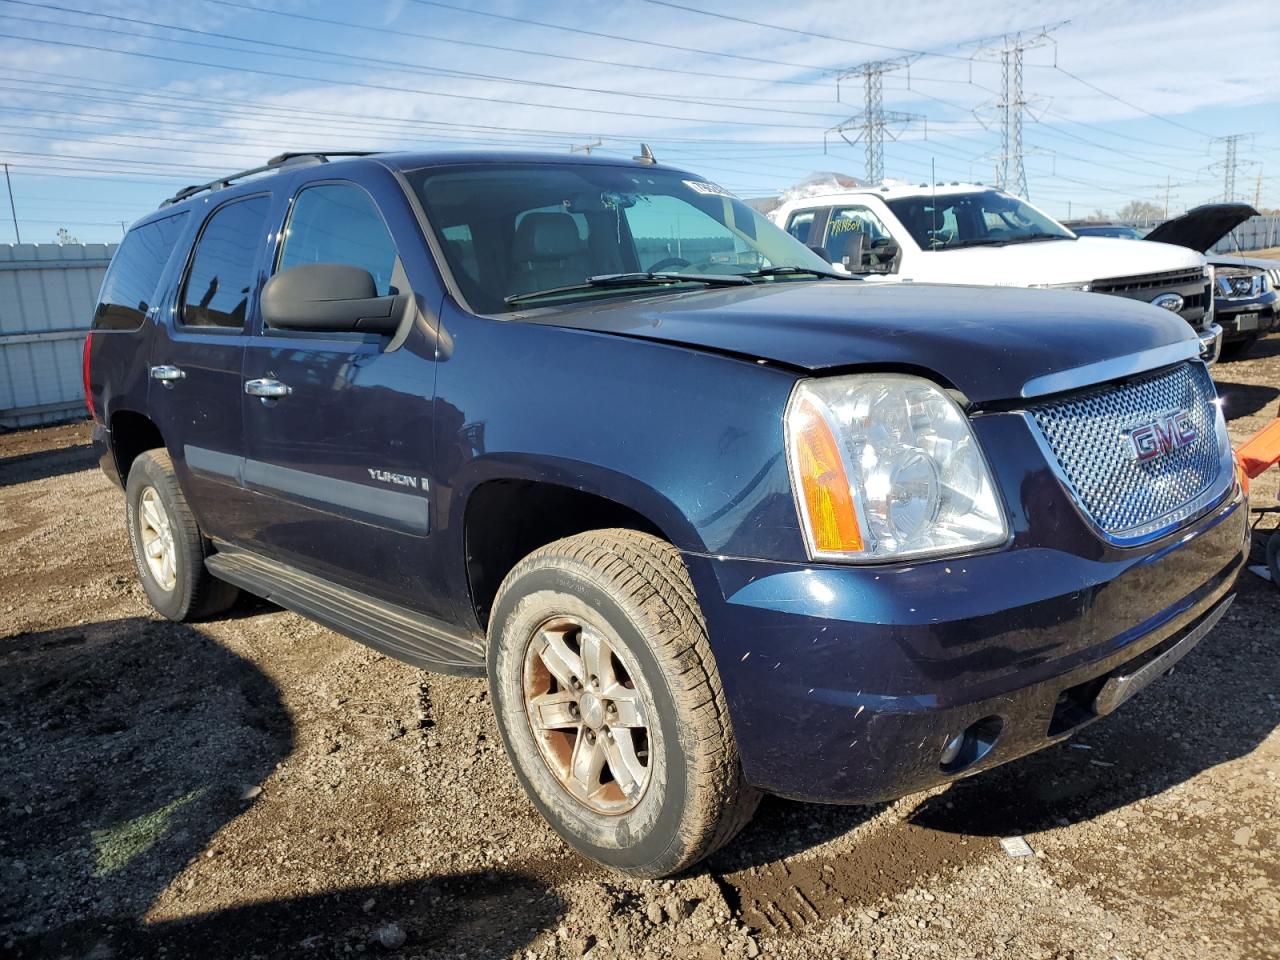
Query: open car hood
1202, 227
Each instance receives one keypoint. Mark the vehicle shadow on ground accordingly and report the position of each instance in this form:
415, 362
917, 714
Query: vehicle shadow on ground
1245, 399
1166, 735
473, 914
1268, 346
128, 744
29, 467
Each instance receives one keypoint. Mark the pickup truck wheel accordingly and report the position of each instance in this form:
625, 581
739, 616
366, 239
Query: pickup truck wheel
168, 547
610, 706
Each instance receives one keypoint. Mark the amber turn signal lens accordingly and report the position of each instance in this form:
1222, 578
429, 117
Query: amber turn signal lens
824, 485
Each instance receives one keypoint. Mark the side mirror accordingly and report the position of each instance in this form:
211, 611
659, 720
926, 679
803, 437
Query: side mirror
330, 297
852, 255
887, 254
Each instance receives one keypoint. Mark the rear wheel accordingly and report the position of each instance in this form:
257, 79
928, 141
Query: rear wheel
610, 706
168, 547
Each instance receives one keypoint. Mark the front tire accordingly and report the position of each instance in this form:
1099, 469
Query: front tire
610, 706
168, 547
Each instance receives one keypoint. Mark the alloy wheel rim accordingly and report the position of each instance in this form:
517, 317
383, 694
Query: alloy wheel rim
588, 715
156, 534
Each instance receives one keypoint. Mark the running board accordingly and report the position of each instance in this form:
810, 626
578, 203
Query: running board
394, 630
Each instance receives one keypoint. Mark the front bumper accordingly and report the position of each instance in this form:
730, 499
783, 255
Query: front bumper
1210, 343
845, 684
1240, 319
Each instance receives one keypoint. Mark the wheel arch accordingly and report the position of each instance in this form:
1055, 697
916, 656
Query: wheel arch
505, 517
132, 434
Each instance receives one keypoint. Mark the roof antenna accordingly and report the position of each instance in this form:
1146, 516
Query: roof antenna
646, 155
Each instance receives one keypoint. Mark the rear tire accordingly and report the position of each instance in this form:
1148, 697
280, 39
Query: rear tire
168, 547
596, 643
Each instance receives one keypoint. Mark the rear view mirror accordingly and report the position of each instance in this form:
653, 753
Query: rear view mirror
330, 297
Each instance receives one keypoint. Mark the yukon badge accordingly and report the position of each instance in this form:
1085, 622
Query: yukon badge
399, 479
1169, 431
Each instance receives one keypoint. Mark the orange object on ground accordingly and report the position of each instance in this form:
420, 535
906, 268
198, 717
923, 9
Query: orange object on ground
1260, 451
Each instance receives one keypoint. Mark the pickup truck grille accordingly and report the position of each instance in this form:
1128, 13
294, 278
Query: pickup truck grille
1090, 439
1191, 285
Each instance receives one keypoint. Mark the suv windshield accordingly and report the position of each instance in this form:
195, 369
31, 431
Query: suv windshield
982, 218
511, 231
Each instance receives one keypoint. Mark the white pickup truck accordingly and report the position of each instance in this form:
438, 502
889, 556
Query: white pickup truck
976, 235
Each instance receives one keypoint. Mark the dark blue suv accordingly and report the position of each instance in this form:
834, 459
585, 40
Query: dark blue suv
713, 520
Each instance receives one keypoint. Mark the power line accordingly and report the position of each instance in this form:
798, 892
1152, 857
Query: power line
1129, 103
528, 21
803, 33
327, 56
401, 32
187, 62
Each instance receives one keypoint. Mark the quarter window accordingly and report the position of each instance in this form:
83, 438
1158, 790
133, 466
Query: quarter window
130, 284
221, 279
338, 223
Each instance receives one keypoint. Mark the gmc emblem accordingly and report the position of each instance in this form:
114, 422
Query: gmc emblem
1169, 431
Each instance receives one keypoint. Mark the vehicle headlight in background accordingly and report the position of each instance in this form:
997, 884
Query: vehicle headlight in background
884, 467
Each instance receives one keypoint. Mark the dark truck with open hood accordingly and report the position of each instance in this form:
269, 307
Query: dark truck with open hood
712, 519
1246, 303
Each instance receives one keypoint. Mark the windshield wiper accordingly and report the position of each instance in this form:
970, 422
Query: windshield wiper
789, 271
637, 278
1033, 237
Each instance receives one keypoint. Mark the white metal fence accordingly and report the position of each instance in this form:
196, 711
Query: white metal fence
47, 296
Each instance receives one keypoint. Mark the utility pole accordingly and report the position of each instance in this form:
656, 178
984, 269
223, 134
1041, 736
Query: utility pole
585, 147
875, 122
1257, 189
12, 209
1012, 103
1168, 184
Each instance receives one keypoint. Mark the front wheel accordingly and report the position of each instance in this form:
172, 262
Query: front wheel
610, 706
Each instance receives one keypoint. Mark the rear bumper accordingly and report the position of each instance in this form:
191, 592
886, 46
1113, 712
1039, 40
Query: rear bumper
100, 436
845, 684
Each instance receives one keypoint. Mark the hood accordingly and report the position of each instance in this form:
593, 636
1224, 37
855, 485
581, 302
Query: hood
1081, 260
1202, 227
986, 343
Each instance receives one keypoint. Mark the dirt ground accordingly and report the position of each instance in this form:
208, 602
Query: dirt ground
258, 786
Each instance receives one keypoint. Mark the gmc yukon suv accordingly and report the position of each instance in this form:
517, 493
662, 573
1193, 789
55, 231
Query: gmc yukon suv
713, 520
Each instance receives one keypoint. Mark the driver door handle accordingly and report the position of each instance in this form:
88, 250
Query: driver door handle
267, 388
167, 374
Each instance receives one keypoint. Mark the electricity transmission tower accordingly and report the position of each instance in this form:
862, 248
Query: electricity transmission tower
1012, 103
585, 147
875, 123
1230, 162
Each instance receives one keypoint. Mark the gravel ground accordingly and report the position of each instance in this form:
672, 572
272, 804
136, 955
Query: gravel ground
258, 786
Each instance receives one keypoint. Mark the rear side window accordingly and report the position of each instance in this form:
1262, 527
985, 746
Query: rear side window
130, 284
338, 223
220, 280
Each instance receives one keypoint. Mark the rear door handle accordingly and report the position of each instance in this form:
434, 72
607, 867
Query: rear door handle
267, 388
167, 374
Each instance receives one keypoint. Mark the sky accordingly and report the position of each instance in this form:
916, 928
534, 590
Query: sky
107, 108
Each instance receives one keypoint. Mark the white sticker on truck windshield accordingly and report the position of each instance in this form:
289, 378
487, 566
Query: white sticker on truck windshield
705, 187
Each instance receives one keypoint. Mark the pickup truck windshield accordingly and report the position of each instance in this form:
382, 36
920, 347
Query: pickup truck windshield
981, 218
535, 233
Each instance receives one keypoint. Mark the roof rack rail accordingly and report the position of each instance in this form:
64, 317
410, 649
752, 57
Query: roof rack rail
279, 160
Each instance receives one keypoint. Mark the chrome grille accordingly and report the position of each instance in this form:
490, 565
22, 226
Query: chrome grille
1087, 437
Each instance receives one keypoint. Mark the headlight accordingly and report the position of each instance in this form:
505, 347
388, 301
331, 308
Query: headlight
884, 466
